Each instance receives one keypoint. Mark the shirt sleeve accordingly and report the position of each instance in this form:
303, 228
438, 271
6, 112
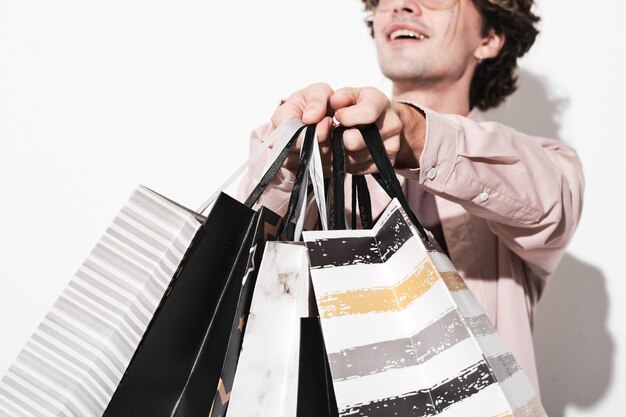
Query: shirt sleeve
529, 189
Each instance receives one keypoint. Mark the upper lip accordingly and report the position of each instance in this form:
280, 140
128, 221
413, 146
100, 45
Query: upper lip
405, 26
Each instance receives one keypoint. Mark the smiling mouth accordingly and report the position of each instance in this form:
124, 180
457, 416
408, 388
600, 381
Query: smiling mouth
406, 34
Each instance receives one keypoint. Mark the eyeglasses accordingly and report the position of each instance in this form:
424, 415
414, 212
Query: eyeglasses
389, 5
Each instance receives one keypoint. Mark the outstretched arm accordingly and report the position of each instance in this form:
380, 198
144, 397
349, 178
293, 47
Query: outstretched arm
529, 189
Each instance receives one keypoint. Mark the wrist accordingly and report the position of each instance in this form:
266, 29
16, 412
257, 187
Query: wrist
413, 134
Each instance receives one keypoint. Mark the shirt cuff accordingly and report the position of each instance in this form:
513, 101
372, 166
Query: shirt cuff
439, 155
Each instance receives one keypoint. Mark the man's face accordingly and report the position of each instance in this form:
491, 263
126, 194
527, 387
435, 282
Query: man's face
427, 46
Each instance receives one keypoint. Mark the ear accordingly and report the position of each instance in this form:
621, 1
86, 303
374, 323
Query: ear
490, 46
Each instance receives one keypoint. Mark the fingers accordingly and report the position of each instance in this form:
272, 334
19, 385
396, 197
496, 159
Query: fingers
360, 161
317, 97
361, 106
310, 104
344, 97
323, 129
317, 103
358, 106
322, 132
353, 141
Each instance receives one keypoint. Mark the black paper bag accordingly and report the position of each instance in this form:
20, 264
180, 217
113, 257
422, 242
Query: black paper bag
178, 364
316, 396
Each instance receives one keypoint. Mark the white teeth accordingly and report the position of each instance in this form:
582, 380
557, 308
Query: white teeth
406, 33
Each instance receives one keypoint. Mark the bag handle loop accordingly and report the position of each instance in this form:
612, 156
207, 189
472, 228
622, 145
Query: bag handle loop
386, 174
283, 137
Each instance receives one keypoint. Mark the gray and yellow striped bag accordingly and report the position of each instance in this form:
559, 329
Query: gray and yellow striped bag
403, 334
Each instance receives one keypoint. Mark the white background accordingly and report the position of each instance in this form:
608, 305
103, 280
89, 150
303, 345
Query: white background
97, 97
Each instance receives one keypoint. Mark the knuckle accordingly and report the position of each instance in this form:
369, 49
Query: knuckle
396, 129
352, 140
320, 87
393, 146
370, 114
369, 90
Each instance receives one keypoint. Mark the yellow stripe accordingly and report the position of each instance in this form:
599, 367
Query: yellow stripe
453, 281
381, 299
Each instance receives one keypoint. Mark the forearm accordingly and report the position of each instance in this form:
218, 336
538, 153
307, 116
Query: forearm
529, 189
413, 135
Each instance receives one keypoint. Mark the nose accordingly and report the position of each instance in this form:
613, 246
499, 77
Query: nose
406, 6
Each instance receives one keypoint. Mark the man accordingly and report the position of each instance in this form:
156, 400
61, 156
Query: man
505, 204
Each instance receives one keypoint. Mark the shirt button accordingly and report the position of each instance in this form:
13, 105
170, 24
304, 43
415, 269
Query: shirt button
432, 173
483, 196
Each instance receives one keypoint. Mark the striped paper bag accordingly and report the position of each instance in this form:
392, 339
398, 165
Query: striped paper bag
404, 335
75, 359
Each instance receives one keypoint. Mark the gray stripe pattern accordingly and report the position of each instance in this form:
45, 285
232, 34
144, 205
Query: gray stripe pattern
437, 337
503, 366
74, 361
479, 325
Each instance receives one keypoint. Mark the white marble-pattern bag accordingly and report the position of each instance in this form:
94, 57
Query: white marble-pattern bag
266, 380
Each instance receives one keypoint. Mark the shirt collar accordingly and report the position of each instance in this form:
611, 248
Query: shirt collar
476, 115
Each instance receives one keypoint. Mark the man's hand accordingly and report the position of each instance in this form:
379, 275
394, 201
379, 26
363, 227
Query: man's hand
311, 105
401, 127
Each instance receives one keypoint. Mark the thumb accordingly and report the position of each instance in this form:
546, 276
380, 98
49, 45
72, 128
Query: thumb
344, 97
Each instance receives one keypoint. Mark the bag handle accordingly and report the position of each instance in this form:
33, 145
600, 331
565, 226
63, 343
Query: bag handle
319, 186
281, 138
316, 188
273, 169
298, 194
360, 191
386, 174
338, 218
361, 196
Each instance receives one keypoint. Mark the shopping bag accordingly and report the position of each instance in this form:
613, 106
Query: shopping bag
194, 334
310, 166
75, 359
179, 357
316, 397
403, 334
265, 381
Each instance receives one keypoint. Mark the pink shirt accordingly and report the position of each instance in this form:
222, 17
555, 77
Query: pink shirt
508, 203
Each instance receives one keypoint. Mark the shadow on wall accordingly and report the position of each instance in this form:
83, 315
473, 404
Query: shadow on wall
533, 109
575, 351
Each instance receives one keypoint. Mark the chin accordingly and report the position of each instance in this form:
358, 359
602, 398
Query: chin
403, 73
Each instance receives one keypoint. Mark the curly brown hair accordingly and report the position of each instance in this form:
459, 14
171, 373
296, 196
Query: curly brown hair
495, 78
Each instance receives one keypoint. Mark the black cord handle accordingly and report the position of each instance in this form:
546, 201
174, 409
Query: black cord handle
305, 157
386, 176
338, 220
272, 170
361, 196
